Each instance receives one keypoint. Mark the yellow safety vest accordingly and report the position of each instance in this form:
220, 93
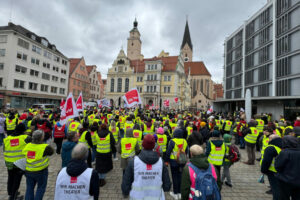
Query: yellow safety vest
10, 124
83, 140
189, 131
265, 143
127, 125
235, 128
228, 125
13, 146
148, 130
35, 161
218, 124
260, 125
128, 147
216, 155
278, 132
179, 143
91, 119
162, 142
121, 121
115, 133
272, 166
173, 126
74, 126
251, 138
103, 144
138, 135
28, 127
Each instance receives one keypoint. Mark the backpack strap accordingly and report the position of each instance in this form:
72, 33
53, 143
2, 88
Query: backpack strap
213, 171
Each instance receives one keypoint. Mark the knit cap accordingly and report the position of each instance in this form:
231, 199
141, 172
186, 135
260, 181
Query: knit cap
148, 142
215, 133
160, 130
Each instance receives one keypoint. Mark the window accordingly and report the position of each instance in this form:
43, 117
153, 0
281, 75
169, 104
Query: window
112, 85
283, 24
283, 45
148, 88
154, 89
119, 89
62, 80
1, 66
3, 38
283, 67
55, 68
53, 89
1, 80
283, 88
74, 82
169, 78
34, 73
44, 88
35, 61
155, 66
151, 77
21, 69
201, 85
22, 56
61, 90
78, 83
33, 37
44, 42
56, 58
149, 67
47, 54
36, 49
32, 86
167, 89
45, 76
54, 78
165, 78
63, 71
19, 84
155, 77
282, 6
126, 84
64, 62
23, 43
148, 77
2, 52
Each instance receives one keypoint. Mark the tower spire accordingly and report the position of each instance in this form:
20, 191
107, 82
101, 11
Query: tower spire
186, 36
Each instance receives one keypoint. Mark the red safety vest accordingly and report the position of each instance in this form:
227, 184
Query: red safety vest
59, 132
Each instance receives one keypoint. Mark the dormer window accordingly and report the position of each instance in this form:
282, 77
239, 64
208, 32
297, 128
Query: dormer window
121, 61
33, 37
44, 42
53, 48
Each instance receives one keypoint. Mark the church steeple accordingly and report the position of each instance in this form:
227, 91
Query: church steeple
187, 46
134, 43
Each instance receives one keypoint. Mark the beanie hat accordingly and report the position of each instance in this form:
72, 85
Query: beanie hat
148, 142
20, 128
215, 133
160, 130
202, 124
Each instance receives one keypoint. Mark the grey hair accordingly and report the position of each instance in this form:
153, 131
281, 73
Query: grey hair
196, 150
71, 135
80, 152
37, 136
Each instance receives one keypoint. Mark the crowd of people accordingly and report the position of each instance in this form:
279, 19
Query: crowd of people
199, 149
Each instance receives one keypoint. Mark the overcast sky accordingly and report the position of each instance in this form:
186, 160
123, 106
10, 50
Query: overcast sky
97, 29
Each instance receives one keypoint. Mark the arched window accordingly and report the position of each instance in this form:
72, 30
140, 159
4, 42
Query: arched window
201, 86
119, 85
112, 85
126, 84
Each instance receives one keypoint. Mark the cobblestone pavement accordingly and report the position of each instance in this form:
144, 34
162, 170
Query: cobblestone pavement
244, 180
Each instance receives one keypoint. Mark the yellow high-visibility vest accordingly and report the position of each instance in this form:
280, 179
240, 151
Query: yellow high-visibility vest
115, 133
35, 161
74, 126
138, 135
189, 131
251, 138
103, 144
128, 147
162, 141
83, 140
227, 125
179, 143
260, 125
216, 155
272, 166
10, 124
13, 146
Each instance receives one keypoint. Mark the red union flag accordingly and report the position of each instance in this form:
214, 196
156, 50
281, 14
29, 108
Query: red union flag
132, 98
176, 99
69, 110
62, 103
79, 103
167, 103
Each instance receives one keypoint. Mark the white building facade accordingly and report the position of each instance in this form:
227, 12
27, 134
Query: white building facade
32, 70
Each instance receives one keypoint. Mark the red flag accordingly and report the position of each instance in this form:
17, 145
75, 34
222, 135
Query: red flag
132, 98
69, 110
79, 103
166, 103
62, 103
176, 99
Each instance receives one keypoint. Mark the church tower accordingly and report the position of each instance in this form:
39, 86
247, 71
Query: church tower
187, 46
134, 43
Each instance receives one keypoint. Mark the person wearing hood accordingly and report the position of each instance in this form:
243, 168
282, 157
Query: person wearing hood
251, 135
199, 160
287, 166
128, 148
195, 138
204, 131
67, 147
215, 151
10, 124
12, 150
136, 183
2, 125
268, 160
175, 144
77, 175
105, 149
59, 133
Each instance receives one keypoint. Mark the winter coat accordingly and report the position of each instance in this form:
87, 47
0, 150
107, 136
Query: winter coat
205, 133
76, 168
66, 152
287, 163
216, 141
195, 138
199, 161
297, 123
269, 154
148, 157
104, 160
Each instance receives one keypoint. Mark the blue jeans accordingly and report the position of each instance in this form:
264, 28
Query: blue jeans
93, 153
242, 142
2, 136
32, 178
176, 177
121, 133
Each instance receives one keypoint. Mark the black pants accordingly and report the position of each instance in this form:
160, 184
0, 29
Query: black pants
58, 142
13, 181
288, 191
89, 159
176, 177
274, 183
218, 172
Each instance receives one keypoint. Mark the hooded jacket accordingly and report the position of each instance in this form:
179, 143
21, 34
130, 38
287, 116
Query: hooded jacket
269, 154
195, 138
287, 163
66, 152
199, 161
76, 168
216, 141
148, 157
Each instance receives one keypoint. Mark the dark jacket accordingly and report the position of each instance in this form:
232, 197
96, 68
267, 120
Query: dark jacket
287, 163
66, 152
269, 154
195, 138
104, 160
200, 162
148, 157
205, 133
178, 133
216, 141
77, 167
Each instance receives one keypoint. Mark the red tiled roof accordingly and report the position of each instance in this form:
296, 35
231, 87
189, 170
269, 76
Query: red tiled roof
169, 63
89, 68
197, 68
73, 64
